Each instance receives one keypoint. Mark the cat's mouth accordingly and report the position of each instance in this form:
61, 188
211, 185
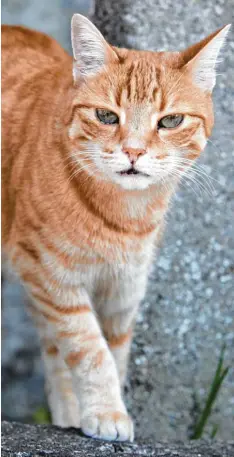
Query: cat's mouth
131, 171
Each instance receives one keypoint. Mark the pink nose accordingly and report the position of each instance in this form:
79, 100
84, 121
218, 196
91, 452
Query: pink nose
134, 153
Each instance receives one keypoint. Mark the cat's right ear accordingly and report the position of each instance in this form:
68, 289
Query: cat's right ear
201, 59
90, 50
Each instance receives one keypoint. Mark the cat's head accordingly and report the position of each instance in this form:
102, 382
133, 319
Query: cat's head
139, 117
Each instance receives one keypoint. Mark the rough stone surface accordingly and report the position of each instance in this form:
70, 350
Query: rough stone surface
20, 440
22, 370
189, 308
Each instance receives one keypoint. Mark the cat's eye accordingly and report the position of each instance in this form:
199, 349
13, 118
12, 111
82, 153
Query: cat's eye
107, 117
171, 121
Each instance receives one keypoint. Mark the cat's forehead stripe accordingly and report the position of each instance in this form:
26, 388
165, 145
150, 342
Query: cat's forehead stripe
142, 82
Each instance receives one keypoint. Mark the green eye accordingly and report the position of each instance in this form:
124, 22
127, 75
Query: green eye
170, 122
107, 117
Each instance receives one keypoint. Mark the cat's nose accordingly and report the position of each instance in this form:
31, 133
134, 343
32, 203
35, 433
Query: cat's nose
134, 153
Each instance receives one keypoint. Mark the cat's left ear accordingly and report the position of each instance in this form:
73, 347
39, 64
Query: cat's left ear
90, 49
200, 59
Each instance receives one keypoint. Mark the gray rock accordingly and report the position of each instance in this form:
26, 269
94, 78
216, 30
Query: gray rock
20, 440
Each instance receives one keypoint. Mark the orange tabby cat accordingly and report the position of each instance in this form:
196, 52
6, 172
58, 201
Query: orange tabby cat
93, 151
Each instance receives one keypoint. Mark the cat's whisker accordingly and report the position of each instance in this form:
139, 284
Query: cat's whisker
73, 164
215, 146
204, 178
185, 183
194, 175
86, 154
78, 171
73, 160
193, 167
202, 185
192, 161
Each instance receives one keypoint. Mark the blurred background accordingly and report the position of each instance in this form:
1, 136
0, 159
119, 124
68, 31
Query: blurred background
187, 315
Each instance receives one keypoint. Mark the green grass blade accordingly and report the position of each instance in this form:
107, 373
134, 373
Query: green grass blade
218, 379
214, 431
42, 416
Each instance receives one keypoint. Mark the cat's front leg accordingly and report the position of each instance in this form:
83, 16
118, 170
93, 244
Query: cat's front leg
78, 336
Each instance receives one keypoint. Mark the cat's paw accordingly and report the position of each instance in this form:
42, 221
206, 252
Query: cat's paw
110, 426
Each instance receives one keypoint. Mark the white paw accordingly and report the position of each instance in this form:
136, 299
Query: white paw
110, 426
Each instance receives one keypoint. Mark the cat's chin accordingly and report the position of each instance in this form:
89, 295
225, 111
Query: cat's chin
133, 182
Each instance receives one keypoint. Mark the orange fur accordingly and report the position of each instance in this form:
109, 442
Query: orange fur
120, 339
74, 358
52, 350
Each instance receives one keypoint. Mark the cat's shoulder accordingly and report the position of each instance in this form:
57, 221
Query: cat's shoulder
19, 37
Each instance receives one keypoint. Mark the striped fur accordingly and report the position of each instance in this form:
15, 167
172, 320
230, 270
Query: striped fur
81, 236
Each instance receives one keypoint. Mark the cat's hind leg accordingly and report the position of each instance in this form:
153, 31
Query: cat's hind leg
62, 400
